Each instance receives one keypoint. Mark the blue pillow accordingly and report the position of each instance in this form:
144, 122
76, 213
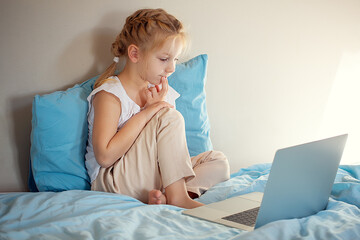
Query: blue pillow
58, 139
189, 80
59, 128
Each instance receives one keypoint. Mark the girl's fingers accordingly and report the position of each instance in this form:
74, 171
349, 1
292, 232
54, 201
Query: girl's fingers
153, 91
148, 94
165, 86
157, 94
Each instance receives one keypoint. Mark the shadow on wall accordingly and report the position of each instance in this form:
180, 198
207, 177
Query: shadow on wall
95, 53
75, 54
20, 133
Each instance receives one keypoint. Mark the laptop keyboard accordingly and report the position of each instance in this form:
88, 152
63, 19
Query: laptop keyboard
247, 217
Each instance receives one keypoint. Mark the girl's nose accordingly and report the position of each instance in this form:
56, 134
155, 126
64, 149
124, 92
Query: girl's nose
171, 68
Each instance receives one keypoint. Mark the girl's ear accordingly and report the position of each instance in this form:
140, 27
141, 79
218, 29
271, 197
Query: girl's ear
134, 53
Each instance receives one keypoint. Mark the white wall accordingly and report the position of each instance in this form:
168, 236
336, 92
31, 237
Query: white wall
272, 67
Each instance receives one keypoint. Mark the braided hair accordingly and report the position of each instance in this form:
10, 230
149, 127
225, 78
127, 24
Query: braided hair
147, 29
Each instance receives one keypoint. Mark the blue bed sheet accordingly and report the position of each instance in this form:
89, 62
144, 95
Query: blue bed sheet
96, 215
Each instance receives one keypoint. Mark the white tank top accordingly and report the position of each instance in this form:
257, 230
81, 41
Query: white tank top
128, 109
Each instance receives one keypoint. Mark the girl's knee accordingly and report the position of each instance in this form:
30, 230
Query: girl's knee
170, 114
218, 156
222, 163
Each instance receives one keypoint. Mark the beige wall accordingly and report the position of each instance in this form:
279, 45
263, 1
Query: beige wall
272, 65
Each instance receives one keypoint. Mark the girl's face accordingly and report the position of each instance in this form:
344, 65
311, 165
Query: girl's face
161, 61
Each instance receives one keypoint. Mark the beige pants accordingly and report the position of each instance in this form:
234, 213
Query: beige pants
158, 158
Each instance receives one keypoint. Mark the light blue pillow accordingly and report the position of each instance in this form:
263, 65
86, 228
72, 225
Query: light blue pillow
58, 139
189, 80
59, 128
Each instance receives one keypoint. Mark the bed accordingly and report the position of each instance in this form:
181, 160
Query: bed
61, 206
83, 214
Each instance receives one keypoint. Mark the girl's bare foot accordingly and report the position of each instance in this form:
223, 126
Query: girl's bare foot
156, 197
177, 195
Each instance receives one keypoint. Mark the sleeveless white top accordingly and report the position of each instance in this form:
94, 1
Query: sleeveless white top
128, 109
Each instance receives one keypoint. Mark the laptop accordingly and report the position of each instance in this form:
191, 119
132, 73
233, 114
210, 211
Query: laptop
299, 185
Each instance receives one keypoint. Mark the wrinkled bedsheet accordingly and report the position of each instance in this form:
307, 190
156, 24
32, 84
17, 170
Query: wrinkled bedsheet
81, 214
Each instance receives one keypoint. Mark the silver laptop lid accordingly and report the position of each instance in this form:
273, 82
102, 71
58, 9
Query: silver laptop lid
300, 180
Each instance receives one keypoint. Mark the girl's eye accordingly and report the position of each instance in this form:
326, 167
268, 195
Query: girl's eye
167, 59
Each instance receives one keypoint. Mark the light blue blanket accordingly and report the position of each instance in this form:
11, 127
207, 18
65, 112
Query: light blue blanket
96, 215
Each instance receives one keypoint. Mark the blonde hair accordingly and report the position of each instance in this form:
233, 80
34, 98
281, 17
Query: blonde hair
148, 29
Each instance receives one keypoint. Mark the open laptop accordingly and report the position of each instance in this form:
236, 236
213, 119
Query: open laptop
299, 185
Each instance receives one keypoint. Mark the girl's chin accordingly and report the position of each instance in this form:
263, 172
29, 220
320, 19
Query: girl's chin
157, 82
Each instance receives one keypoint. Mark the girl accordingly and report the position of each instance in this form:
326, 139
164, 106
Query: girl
136, 144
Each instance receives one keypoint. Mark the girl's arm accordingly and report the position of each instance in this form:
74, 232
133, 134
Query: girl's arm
110, 144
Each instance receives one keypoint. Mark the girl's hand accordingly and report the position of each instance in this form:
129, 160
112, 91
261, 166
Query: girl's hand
155, 99
155, 94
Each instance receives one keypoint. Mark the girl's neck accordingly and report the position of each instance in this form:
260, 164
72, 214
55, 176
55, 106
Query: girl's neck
131, 78
133, 85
